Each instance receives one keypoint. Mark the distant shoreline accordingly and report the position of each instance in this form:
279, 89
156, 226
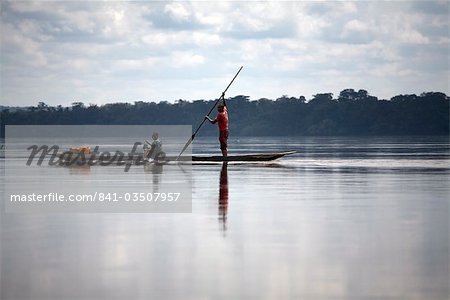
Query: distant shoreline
352, 113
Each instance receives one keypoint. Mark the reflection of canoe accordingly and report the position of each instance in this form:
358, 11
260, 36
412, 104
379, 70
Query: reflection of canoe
246, 157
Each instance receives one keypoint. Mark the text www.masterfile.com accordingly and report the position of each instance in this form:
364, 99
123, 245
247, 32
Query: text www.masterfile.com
96, 196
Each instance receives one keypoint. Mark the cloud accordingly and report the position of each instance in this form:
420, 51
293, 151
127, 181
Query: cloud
323, 8
261, 21
178, 11
351, 32
63, 51
431, 7
174, 16
186, 59
281, 30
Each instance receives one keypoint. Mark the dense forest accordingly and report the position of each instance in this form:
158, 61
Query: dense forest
350, 113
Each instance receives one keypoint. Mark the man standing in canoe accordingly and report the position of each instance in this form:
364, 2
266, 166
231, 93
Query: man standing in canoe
222, 122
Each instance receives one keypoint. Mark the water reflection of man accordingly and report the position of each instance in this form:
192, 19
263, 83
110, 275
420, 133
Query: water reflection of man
156, 170
223, 195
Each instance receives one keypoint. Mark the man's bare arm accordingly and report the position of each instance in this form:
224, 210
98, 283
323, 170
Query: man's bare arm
224, 102
211, 120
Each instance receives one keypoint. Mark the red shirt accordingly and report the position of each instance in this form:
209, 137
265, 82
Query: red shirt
222, 119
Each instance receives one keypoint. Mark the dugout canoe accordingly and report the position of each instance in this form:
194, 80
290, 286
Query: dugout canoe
246, 157
238, 158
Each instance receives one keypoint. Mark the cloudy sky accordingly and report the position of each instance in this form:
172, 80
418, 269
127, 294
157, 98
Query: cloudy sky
99, 52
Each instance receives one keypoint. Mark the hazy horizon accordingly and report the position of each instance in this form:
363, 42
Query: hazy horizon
173, 101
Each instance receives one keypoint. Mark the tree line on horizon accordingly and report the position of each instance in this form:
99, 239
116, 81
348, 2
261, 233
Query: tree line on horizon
351, 113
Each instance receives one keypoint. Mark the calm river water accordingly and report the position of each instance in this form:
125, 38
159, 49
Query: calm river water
343, 218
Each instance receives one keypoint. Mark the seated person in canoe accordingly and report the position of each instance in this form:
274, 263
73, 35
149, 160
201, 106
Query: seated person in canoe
153, 150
